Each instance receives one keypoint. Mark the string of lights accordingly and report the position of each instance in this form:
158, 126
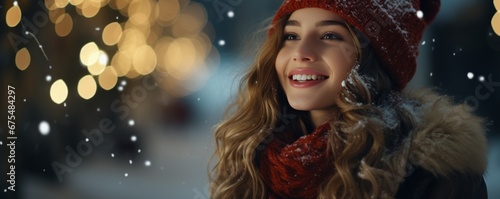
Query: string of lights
149, 36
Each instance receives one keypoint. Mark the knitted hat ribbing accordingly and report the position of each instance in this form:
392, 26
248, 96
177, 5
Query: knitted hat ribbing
394, 27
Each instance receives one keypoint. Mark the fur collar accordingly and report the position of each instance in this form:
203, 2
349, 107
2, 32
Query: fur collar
447, 139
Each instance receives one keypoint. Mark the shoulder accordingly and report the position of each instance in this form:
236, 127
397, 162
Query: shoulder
442, 153
448, 137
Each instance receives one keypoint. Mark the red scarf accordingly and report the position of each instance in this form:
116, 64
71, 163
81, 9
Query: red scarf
295, 170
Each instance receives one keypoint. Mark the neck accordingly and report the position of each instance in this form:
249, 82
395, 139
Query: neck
319, 117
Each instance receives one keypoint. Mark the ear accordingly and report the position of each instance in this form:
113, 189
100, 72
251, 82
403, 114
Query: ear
430, 9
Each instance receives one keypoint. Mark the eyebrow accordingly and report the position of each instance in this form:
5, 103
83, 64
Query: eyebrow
320, 23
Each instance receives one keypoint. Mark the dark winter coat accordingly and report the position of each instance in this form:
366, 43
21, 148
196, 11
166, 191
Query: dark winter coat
442, 157
445, 156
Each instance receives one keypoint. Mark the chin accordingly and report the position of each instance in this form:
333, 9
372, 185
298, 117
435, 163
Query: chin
309, 105
301, 106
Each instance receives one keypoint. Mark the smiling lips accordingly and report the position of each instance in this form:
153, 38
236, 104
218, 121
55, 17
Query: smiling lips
304, 78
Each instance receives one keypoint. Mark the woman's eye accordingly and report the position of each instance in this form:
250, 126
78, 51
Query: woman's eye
331, 36
291, 37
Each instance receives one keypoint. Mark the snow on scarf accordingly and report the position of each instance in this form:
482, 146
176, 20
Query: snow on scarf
296, 170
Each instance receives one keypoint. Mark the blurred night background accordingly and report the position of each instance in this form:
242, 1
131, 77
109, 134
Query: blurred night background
155, 76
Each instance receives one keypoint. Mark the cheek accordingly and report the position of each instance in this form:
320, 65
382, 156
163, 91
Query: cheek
280, 64
341, 65
341, 56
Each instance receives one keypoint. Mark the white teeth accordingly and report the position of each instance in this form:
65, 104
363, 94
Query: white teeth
304, 77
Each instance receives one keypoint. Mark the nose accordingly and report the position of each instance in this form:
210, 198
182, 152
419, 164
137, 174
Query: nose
304, 52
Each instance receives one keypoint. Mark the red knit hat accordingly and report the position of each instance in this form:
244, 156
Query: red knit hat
394, 27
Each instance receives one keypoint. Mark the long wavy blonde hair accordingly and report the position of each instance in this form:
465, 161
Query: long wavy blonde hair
358, 138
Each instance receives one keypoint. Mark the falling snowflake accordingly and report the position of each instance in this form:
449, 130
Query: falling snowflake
481, 78
420, 14
222, 42
230, 14
133, 138
44, 128
470, 75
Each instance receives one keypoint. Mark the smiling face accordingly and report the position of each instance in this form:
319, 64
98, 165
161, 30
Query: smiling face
316, 56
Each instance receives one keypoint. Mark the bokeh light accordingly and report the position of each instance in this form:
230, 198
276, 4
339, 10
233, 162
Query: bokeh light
139, 12
108, 78
50, 4
122, 63
112, 33
76, 2
89, 54
90, 8
191, 21
144, 60
167, 36
59, 91
180, 58
23, 59
169, 11
64, 25
55, 14
87, 87
101, 63
61, 3
495, 21
13, 16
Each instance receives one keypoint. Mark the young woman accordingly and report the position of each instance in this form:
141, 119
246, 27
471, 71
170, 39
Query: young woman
322, 113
